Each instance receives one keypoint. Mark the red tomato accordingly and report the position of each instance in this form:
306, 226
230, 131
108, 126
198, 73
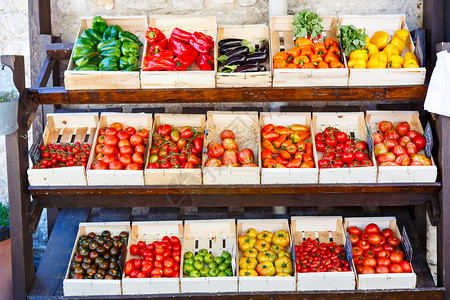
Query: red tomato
123, 135
382, 269
126, 150
137, 263
117, 126
158, 264
147, 268
134, 250
100, 165
396, 268
175, 240
382, 254
102, 131
357, 251
111, 140
391, 135
168, 272
411, 148
363, 244
420, 142
406, 266
134, 273
215, 150
125, 159
129, 267
384, 261
388, 247
400, 252
156, 272
139, 149
374, 239
354, 239
177, 247
393, 241
402, 128
387, 233
412, 134
130, 130
367, 270
115, 165
385, 126
122, 143
377, 138
168, 262
369, 262
143, 132
133, 166
354, 230
111, 131
227, 134
136, 139
141, 244
138, 158
364, 236
368, 253
395, 257
372, 228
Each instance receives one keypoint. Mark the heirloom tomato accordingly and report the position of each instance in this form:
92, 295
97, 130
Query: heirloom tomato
385, 126
402, 128
230, 134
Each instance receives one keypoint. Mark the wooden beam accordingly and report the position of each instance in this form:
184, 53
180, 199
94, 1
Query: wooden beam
433, 23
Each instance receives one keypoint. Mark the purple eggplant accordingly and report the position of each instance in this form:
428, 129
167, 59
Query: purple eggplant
258, 56
247, 68
264, 46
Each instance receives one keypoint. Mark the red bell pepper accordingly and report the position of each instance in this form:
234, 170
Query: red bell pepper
177, 47
154, 35
201, 42
160, 61
181, 35
185, 59
158, 47
205, 62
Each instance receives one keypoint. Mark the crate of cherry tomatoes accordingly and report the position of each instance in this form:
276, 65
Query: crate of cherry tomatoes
232, 148
265, 256
153, 258
320, 259
175, 157
304, 61
341, 149
381, 254
119, 148
399, 147
287, 149
65, 150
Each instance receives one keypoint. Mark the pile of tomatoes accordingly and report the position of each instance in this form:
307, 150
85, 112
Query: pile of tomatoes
312, 256
399, 145
376, 251
176, 148
226, 154
120, 148
63, 155
286, 147
340, 150
156, 260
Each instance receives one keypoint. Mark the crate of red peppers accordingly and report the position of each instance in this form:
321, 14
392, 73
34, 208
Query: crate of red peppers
179, 52
175, 155
377, 258
399, 147
153, 258
341, 149
321, 262
65, 150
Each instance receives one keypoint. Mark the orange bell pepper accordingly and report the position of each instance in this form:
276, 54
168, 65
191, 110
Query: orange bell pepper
301, 60
320, 49
268, 145
294, 51
329, 57
335, 64
315, 59
335, 49
291, 66
309, 148
330, 42
303, 42
279, 64
322, 65
281, 55
309, 65
306, 50
277, 143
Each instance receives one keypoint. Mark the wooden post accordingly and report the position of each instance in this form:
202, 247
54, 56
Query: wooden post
433, 23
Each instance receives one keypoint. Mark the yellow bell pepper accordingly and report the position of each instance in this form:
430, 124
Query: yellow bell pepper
411, 64
410, 56
359, 63
382, 56
395, 61
398, 43
403, 34
371, 48
375, 63
380, 39
367, 39
390, 50
359, 54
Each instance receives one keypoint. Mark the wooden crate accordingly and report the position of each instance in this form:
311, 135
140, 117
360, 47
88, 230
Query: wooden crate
381, 281
354, 125
291, 175
118, 177
263, 283
246, 128
252, 33
281, 27
181, 79
149, 232
324, 229
174, 176
65, 128
94, 287
91, 80
401, 173
381, 77
216, 236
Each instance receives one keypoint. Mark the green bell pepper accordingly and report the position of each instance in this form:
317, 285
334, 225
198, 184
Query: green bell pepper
92, 35
89, 59
111, 52
130, 49
86, 68
79, 52
128, 61
112, 32
131, 68
108, 69
99, 24
126, 36
109, 44
84, 42
109, 61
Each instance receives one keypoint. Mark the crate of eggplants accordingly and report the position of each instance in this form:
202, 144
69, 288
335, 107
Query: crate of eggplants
238, 56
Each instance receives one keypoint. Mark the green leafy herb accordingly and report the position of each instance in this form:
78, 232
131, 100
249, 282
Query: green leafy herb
307, 23
352, 38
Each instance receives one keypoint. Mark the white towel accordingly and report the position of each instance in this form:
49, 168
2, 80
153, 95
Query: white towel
438, 96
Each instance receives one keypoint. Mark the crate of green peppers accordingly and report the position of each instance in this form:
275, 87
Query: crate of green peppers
107, 53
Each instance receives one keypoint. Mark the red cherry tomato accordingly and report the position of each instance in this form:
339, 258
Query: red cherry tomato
387, 233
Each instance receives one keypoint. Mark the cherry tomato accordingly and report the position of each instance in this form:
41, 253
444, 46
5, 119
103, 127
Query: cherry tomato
393, 241
387, 233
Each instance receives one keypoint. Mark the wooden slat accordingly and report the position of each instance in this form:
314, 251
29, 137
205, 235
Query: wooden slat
80, 135
67, 135
91, 135
59, 51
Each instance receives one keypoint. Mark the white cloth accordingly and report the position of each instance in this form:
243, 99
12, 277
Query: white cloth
438, 96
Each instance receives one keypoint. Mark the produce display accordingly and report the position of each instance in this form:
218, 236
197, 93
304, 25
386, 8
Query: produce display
159, 259
106, 48
312, 256
237, 56
176, 148
120, 148
285, 147
227, 154
98, 256
340, 150
398, 145
307, 25
179, 51
264, 254
204, 264
63, 155
376, 251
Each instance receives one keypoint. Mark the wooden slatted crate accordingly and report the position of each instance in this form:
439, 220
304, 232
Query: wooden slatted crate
252, 33
282, 38
324, 229
354, 125
95, 287
401, 173
181, 79
65, 128
291, 175
149, 232
382, 77
91, 80
175, 176
216, 236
